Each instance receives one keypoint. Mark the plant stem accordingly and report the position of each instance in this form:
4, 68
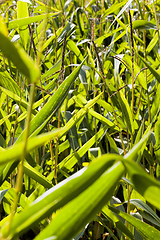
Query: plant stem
19, 181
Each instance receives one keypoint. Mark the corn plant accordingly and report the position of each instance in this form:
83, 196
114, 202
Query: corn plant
79, 120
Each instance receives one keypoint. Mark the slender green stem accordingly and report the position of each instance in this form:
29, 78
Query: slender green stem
19, 181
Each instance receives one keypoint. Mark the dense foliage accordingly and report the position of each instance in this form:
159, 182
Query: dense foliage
79, 120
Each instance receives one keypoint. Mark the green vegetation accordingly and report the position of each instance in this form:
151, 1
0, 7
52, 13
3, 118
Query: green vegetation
79, 120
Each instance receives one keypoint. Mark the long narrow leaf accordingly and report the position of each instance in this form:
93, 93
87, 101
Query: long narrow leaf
146, 230
14, 152
20, 58
28, 20
77, 213
59, 195
52, 105
149, 187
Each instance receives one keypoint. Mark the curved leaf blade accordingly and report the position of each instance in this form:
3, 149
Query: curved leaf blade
59, 195
20, 58
149, 187
146, 230
28, 20
53, 104
77, 213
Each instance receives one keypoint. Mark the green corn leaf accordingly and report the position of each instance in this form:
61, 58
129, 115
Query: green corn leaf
90, 57
70, 161
72, 134
22, 11
55, 68
102, 222
114, 7
79, 115
116, 221
10, 196
77, 213
133, 152
143, 24
140, 204
145, 230
149, 187
153, 71
28, 20
100, 39
7, 82
80, 21
2, 99
53, 104
126, 111
69, 28
126, 28
102, 119
37, 176
121, 11
105, 105
2, 120
48, 42
15, 97
7, 122
149, 218
39, 121
59, 195
90, 3
113, 146
75, 49
20, 58
152, 43
139, 133
14, 152
141, 77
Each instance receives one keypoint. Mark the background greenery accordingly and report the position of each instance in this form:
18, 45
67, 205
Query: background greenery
79, 120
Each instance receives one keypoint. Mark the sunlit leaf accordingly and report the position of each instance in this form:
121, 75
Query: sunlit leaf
28, 20
19, 58
83, 208
143, 24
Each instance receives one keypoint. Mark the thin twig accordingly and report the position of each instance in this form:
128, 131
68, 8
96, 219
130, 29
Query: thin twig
145, 68
52, 75
119, 90
41, 88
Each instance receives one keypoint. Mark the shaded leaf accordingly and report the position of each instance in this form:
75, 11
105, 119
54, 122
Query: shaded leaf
145, 230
